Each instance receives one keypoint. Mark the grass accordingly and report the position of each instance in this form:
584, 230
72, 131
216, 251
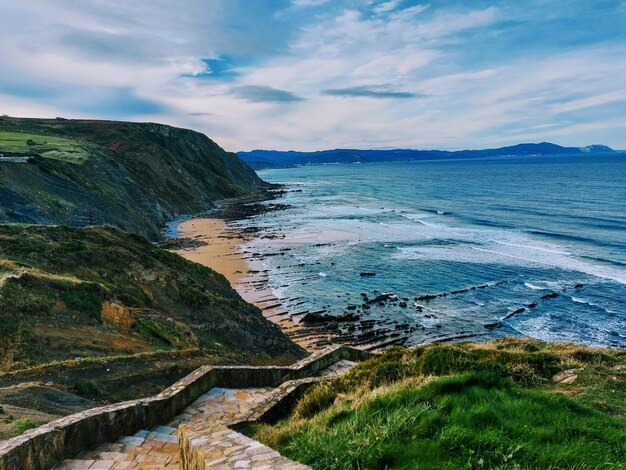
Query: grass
17, 343
58, 148
24, 424
55, 366
160, 334
89, 389
62, 277
492, 405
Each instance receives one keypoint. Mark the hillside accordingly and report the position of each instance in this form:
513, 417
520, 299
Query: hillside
508, 404
97, 291
135, 176
259, 159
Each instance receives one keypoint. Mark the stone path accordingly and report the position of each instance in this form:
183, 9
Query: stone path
224, 448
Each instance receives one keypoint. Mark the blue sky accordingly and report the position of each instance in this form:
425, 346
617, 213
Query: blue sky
317, 74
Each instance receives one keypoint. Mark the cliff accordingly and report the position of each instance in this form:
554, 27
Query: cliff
135, 176
97, 291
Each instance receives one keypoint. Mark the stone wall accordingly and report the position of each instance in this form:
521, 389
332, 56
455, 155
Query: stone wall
41, 448
202, 445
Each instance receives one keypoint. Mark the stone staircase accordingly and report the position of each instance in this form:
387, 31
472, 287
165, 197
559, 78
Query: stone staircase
204, 428
156, 448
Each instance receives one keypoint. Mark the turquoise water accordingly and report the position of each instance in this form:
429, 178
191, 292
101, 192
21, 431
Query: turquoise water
513, 229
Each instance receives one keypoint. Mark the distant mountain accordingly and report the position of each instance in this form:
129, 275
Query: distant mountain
259, 159
597, 149
135, 176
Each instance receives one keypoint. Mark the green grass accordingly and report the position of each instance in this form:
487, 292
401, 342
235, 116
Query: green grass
89, 389
58, 148
490, 405
161, 335
24, 424
17, 343
62, 277
49, 367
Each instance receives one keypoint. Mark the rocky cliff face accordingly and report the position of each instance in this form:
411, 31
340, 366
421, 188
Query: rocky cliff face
135, 176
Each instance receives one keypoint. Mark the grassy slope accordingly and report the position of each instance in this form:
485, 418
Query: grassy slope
132, 175
47, 146
54, 282
492, 405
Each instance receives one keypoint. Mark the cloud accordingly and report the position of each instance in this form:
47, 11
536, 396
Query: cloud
386, 6
263, 94
380, 92
308, 3
221, 68
121, 101
428, 74
589, 101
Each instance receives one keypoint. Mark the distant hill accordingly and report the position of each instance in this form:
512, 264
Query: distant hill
97, 291
259, 159
135, 176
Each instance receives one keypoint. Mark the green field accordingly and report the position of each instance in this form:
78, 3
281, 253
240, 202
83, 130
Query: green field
58, 148
473, 406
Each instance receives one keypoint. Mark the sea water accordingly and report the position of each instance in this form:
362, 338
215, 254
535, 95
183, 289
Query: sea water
505, 231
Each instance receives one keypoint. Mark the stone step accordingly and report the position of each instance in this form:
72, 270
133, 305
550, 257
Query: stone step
212, 413
156, 448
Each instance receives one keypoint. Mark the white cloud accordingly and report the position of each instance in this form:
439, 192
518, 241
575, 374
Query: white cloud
276, 98
308, 3
594, 100
386, 7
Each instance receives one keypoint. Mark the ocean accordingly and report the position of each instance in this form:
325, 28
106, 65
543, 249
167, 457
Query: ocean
472, 248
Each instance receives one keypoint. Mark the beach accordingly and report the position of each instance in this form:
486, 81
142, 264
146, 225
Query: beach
219, 249
373, 255
222, 249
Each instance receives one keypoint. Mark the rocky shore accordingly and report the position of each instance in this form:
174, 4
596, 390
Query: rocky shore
369, 319
218, 239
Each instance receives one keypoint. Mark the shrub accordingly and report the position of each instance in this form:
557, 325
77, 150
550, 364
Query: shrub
318, 398
192, 294
17, 344
9, 326
24, 424
84, 299
159, 333
389, 372
88, 388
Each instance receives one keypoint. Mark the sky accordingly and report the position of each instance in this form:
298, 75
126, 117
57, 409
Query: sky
322, 74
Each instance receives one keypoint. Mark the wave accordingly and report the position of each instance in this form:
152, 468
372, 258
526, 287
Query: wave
559, 236
533, 286
548, 249
434, 211
603, 260
577, 238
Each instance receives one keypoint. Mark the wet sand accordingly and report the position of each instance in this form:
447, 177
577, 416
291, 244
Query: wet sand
222, 250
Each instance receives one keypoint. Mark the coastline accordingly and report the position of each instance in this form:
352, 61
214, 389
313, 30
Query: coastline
210, 241
222, 240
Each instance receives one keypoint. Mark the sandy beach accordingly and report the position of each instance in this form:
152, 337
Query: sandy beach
221, 250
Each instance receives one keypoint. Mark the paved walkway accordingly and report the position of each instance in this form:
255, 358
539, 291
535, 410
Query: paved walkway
158, 448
